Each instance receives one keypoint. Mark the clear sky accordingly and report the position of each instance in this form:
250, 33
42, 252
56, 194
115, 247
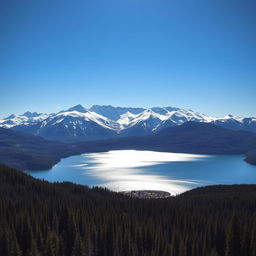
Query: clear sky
196, 54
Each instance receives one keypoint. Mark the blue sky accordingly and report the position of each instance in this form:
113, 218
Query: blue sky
196, 54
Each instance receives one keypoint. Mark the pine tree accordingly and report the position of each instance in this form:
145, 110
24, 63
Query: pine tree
79, 249
50, 246
15, 250
214, 252
233, 242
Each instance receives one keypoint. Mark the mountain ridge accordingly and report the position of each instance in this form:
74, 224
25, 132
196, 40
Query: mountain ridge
100, 122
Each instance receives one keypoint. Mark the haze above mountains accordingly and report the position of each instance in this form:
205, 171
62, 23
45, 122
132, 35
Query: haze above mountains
103, 122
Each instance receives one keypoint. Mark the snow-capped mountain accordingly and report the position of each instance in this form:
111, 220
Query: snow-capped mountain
144, 123
70, 125
78, 108
27, 119
114, 113
27, 122
100, 122
237, 123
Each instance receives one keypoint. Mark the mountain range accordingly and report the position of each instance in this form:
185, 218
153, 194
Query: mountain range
102, 122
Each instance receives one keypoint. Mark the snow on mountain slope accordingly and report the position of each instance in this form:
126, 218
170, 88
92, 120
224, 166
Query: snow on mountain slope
164, 110
114, 113
77, 123
162, 116
65, 125
78, 108
237, 123
144, 123
156, 119
146, 115
180, 116
126, 119
79, 116
74, 125
27, 119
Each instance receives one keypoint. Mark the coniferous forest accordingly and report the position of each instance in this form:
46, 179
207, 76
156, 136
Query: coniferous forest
38, 218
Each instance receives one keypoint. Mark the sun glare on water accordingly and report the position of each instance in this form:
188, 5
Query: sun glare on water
122, 170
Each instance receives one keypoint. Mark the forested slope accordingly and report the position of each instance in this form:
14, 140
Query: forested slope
29, 152
40, 218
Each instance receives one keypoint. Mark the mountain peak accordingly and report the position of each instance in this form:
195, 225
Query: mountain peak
11, 116
78, 108
172, 108
30, 114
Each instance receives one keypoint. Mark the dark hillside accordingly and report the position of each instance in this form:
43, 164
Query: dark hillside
25, 151
40, 218
191, 137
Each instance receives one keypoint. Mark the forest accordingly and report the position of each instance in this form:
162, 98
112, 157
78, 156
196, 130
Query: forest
38, 218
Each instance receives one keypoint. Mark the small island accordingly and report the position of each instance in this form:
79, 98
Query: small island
147, 193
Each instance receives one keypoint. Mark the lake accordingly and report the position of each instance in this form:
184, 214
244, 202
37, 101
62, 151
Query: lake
124, 170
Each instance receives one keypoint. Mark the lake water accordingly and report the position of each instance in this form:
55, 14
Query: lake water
124, 170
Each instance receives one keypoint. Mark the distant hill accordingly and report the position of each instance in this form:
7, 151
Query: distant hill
191, 137
42, 218
24, 151
30, 152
